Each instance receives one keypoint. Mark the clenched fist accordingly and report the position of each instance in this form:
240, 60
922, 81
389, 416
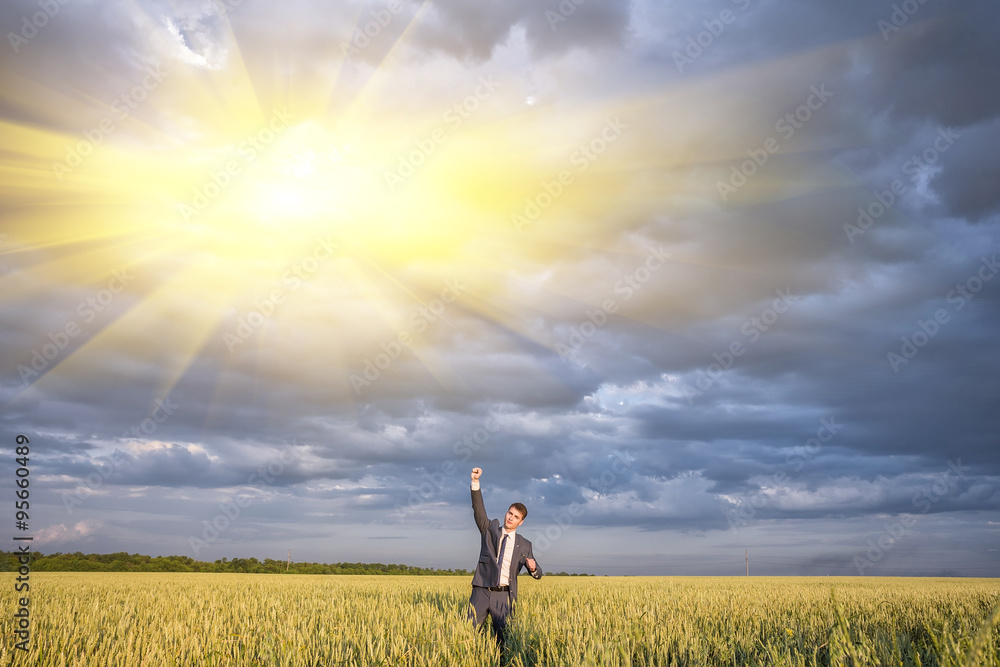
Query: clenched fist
476, 472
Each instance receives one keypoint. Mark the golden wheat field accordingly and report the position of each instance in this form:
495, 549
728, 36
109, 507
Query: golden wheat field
133, 619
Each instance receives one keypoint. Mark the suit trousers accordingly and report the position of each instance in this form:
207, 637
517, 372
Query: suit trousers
495, 604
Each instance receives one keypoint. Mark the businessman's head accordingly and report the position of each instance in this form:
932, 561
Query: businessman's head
516, 514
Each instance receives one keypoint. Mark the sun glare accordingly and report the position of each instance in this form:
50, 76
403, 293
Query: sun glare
220, 199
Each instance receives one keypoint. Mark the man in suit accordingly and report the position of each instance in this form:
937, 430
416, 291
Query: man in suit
502, 554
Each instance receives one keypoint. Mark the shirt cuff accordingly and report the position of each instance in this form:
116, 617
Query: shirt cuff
475, 485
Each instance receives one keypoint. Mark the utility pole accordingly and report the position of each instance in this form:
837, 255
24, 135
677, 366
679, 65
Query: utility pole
748, 561
289, 563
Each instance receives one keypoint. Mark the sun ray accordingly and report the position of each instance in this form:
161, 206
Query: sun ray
222, 199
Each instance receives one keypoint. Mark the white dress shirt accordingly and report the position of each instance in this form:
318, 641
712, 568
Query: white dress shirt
507, 553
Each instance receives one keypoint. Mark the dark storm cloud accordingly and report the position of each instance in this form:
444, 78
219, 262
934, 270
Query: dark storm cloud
936, 65
968, 177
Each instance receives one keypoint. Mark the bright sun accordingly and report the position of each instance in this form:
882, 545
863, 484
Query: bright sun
276, 189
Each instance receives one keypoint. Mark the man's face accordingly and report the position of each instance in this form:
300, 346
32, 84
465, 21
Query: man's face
512, 520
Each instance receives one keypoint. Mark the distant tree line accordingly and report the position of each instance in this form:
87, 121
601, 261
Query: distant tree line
124, 562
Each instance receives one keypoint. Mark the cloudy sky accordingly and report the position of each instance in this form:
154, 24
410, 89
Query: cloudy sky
686, 278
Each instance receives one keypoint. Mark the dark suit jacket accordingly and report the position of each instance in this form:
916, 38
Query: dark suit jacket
487, 570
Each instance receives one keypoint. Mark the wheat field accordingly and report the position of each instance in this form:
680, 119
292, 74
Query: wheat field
133, 619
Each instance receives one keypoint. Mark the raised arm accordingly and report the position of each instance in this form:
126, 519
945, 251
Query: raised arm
478, 509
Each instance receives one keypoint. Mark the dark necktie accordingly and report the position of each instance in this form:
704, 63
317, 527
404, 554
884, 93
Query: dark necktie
503, 545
